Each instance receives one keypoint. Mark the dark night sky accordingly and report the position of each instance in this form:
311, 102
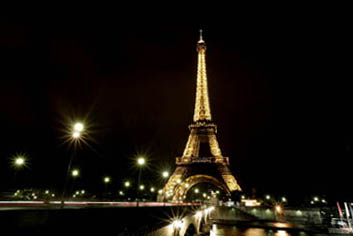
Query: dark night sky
279, 83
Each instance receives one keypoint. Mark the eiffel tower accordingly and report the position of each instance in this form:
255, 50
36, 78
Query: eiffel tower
202, 160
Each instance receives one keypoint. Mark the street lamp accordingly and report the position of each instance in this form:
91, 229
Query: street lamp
140, 163
78, 127
19, 161
165, 174
127, 184
76, 135
106, 180
75, 173
176, 226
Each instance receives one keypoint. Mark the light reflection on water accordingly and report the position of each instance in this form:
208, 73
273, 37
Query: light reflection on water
225, 230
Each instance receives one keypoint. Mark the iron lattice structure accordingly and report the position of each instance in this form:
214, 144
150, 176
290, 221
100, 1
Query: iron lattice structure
202, 160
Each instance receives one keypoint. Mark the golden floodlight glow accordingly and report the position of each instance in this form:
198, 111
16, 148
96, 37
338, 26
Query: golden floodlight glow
142, 187
196, 190
278, 209
202, 107
127, 184
78, 127
152, 189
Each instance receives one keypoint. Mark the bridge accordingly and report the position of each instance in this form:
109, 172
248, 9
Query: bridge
150, 218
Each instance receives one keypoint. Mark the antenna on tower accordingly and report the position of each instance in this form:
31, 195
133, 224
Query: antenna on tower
201, 40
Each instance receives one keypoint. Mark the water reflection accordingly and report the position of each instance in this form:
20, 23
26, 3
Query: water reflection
254, 232
281, 233
225, 230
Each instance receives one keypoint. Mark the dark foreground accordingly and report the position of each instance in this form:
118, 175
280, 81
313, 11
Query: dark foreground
87, 221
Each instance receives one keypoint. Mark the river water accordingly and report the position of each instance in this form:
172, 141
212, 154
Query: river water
218, 230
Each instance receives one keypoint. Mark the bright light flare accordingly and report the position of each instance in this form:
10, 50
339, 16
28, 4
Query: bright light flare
78, 127
177, 224
165, 174
75, 172
76, 135
106, 179
141, 161
278, 209
19, 161
127, 184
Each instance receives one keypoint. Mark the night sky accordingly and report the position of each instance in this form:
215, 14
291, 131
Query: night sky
279, 84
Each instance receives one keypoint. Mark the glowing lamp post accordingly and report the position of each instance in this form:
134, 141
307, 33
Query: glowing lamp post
165, 174
75, 173
19, 161
78, 127
75, 136
140, 163
106, 181
278, 211
177, 225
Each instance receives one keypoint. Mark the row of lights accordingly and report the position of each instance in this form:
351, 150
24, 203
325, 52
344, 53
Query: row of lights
33, 195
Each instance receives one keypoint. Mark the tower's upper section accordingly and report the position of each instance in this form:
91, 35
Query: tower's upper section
202, 105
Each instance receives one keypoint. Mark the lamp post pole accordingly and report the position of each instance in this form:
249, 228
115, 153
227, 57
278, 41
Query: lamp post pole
140, 162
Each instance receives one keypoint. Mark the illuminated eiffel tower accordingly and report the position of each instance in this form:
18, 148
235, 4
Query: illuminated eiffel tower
202, 160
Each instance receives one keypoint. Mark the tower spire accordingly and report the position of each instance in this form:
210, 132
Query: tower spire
202, 107
201, 40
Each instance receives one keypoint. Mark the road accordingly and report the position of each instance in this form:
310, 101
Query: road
20, 205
